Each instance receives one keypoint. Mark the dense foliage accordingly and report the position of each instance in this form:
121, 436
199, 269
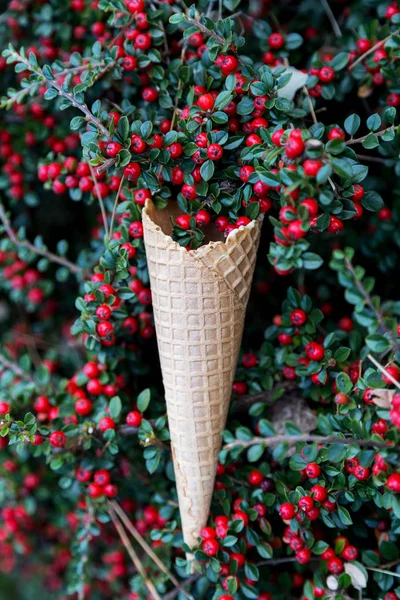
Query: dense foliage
230, 108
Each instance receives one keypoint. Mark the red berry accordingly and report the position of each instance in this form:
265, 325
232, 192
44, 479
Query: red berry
335, 566
57, 439
106, 423
361, 473
336, 134
203, 217
102, 477
393, 483
335, 225
358, 192
393, 371
294, 147
315, 351
207, 533
363, 45
94, 490
221, 223
350, 553
306, 503
287, 511
134, 418
91, 369
210, 546
319, 493
206, 101
326, 74
110, 490
4, 408
42, 404
312, 166
105, 329
311, 205
303, 556
113, 148
313, 470
255, 477
83, 407
239, 388
276, 41
215, 151
132, 171
183, 221
298, 317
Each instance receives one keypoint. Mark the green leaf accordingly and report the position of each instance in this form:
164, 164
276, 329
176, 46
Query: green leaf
265, 550
177, 18
344, 516
222, 100
374, 122
372, 201
341, 354
371, 141
320, 547
207, 170
378, 343
143, 400
343, 383
115, 407
352, 124
311, 260
340, 61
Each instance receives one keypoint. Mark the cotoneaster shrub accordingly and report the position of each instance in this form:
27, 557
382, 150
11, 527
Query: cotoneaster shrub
231, 109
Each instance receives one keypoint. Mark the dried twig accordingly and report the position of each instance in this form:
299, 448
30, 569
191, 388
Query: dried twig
372, 50
293, 439
8, 364
115, 205
310, 104
363, 137
384, 371
173, 593
134, 557
371, 305
100, 199
335, 26
135, 533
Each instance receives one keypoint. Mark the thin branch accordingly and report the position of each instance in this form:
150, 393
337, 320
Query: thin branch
68, 95
371, 305
384, 371
207, 31
12, 366
115, 205
375, 159
100, 199
372, 50
134, 557
82, 107
293, 439
173, 593
362, 138
335, 26
32, 248
276, 561
135, 533
178, 95
310, 104
244, 402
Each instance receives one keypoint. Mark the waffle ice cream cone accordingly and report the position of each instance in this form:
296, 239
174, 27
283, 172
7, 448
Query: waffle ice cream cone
199, 301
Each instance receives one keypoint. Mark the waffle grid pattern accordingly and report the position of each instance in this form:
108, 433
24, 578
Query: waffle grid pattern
199, 301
